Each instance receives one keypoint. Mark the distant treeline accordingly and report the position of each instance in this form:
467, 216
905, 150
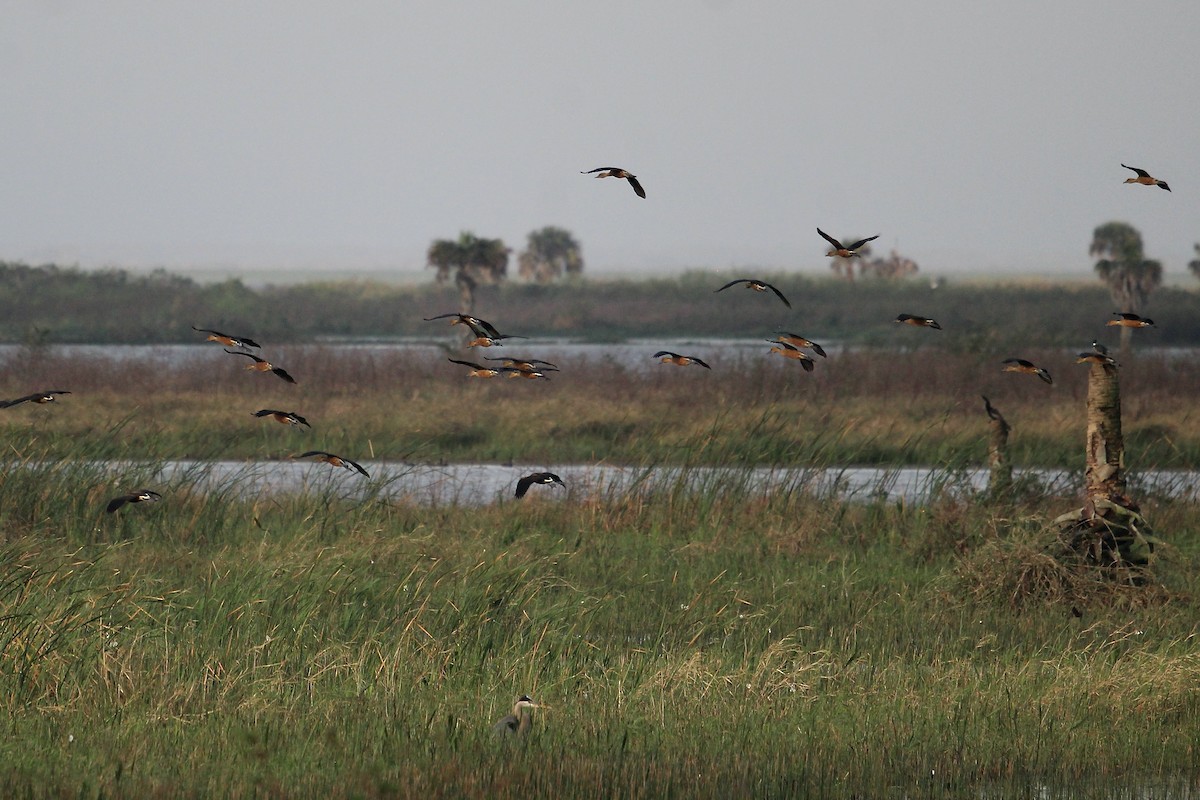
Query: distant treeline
56, 305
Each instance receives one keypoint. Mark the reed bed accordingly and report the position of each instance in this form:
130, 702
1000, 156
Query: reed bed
693, 638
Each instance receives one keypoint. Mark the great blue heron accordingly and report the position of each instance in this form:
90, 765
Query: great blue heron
1144, 178
840, 249
519, 722
680, 361
262, 365
756, 285
140, 496
617, 172
1028, 367
920, 322
226, 339
282, 417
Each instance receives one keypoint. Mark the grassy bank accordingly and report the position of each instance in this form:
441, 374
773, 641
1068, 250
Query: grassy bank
917, 406
709, 644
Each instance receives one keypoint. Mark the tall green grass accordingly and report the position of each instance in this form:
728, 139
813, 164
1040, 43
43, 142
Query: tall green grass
693, 637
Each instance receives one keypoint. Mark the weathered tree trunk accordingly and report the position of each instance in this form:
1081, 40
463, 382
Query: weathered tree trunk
1109, 530
1000, 470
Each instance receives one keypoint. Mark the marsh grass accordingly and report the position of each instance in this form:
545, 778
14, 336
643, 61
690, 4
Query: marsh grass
693, 637
859, 407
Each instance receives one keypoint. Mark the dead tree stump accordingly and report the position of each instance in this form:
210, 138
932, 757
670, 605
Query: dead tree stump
999, 467
1109, 530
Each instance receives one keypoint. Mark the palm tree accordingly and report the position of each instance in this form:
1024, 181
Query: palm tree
1194, 264
1123, 267
549, 254
472, 260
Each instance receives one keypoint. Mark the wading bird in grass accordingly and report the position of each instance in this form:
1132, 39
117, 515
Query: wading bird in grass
840, 250
617, 172
41, 398
140, 496
226, 339
262, 365
519, 722
334, 461
1028, 367
478, 370
1144, 179
796, 340
756, 285
531, 364
1096, 358
282, 417
680, 361
919, 322
788, 351
538, 478
992, 412
1125, 319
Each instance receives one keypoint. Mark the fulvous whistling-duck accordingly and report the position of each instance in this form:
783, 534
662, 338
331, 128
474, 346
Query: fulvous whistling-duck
41, 398
796, 340
333, 461
1096, 358
537, 477
526, 363
680, 361
478, 370
1144, 178
283, 417
481, 327
840, 249
617, 172
262, 365
919, 322
226, 339
1028, 367
519, 721
756, 285
1128, 320
788, 351
528, 374
141, 496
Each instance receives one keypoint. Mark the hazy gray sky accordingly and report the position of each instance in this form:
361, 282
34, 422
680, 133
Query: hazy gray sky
301, 134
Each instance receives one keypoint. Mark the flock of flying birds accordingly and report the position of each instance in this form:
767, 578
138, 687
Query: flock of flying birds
485, 335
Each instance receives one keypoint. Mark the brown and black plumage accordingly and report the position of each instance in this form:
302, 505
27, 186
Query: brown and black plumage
842, 251
919, 322
226, 339
1028, 367
1096, 358
756, 285
537, 478
262, 365
1145, 179
796, 340
794, 353
518, 723
531, 364
680, 361
140, 496
41, 398
333, 460
1126, 319
477, 370
617, 172
481, 327
282, 417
